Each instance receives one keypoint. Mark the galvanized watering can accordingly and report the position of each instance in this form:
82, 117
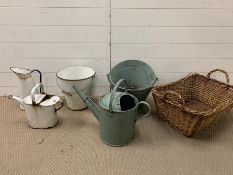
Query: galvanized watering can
117, 114
40, 108
26, 81
139, 76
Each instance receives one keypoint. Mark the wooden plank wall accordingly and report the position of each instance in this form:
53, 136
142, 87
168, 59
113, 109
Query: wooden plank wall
50, 35
174, 36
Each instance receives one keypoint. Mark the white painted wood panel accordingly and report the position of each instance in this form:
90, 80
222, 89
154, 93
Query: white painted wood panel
5, 91
172, 35
51, 35
53, 65
186, 65
54, 50
172, 17
55, 3
8, 79
54, 16
81, 34
49, 79
172, 51
172, 3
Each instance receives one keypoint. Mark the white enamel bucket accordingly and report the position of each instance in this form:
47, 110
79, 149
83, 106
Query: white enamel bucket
68, 77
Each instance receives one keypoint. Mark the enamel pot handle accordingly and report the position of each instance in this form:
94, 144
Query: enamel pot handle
62, 104
67, 93
71, 93
39, 85
63, 91
114, 90
143, 103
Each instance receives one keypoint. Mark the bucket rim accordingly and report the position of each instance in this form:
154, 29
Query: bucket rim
139, 61
92, 76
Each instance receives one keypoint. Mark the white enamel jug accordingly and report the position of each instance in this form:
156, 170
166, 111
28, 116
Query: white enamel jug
26, 81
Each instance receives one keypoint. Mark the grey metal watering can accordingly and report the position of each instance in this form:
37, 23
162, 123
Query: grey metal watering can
117, 114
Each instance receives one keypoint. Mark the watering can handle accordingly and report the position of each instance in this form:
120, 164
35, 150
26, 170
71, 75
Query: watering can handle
148, 107
114, 90
34, 91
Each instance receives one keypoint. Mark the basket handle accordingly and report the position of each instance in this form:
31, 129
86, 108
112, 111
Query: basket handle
220, 70
173, 93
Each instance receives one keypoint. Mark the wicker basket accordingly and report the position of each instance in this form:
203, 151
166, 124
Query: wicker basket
194, 102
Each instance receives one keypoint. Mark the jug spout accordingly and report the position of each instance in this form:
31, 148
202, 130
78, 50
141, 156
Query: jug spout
22, 73
18, 99
91, 105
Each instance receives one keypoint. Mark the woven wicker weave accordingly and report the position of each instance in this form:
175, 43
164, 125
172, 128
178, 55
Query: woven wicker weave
194, 102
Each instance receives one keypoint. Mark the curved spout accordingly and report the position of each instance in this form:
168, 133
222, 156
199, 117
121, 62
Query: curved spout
20, 100
91, 105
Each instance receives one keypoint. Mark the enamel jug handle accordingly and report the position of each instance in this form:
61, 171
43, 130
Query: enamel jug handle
34, 91
143, 103
114, 90
40, 74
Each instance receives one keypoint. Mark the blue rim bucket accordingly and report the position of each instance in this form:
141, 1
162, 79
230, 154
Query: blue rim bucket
140, 77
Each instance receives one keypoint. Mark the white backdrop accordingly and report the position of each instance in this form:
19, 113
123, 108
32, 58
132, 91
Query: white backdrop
174, 36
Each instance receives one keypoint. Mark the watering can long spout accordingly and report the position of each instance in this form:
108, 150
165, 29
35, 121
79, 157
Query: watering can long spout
18, 99
91, 105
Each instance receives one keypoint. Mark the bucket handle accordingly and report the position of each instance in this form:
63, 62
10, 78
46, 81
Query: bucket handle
110, 81
67, 93
70, 93
148, 108
39, 85
114, 90
63, 91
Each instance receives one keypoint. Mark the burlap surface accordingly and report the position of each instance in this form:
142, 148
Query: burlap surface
73, 147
